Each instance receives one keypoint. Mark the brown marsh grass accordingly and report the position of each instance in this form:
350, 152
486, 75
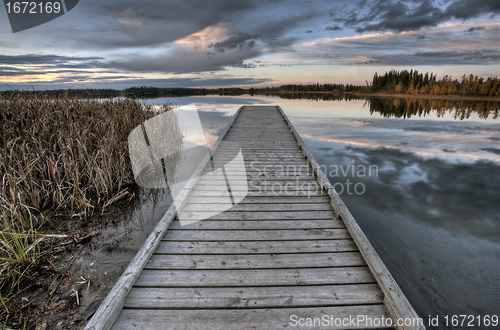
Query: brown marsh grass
66, 155
59, 157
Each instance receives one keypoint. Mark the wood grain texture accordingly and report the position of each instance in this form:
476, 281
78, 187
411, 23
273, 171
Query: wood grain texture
254, 297
260, 224
256, 261
274, 318
255, 247
254, 277
255, 235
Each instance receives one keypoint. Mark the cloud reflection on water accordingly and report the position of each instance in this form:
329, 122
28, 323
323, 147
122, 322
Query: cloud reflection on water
433, 212
451, 140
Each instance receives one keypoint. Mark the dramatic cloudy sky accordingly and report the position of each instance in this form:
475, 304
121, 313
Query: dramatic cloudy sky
116, 44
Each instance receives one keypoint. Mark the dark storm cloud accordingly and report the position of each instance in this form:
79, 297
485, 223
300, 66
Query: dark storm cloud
243, 65
333, 28
33, 64
273, 32
46, 59
370, 62
147, 23
466, 9
150, 22
241, 41
492, 150
410, 15
197, 82
16, 72
465, 57
475, 28
186, 62
232, 51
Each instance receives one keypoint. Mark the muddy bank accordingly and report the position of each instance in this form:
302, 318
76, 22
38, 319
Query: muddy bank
65, 289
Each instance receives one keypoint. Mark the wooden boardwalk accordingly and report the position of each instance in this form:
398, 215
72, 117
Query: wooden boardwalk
275, 255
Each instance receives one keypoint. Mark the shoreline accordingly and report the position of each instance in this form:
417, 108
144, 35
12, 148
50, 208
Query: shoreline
403, 96
433, 96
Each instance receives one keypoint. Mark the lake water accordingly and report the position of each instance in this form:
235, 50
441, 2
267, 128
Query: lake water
430, 206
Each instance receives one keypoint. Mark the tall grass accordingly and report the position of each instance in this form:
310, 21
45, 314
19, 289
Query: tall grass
59, 157
67, 156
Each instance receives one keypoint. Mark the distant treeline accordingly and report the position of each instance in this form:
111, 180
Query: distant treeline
132, 92
318, 88
155, 92
399, 82
315, 96
412, 82
407, 108
83, 93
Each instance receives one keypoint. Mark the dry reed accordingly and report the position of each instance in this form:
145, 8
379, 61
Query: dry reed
65, 155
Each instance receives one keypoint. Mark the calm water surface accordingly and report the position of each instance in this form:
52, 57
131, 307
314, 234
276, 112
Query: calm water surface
430, 208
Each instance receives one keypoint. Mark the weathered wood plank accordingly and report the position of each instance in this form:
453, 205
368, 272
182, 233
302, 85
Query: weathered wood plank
256, 247
290, 189
230, 319
269, 148
266, 168
209, 176
262, 225
256, 163
254, 297
254, 277
269, 157
262, 200
254, 193
255, 235
289, 162
282, 138
278, 131
309, 215
261, 154
254, 261
261, 141
258, 169
261, 138
254, 125
291, 147
198, 207
283, 184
